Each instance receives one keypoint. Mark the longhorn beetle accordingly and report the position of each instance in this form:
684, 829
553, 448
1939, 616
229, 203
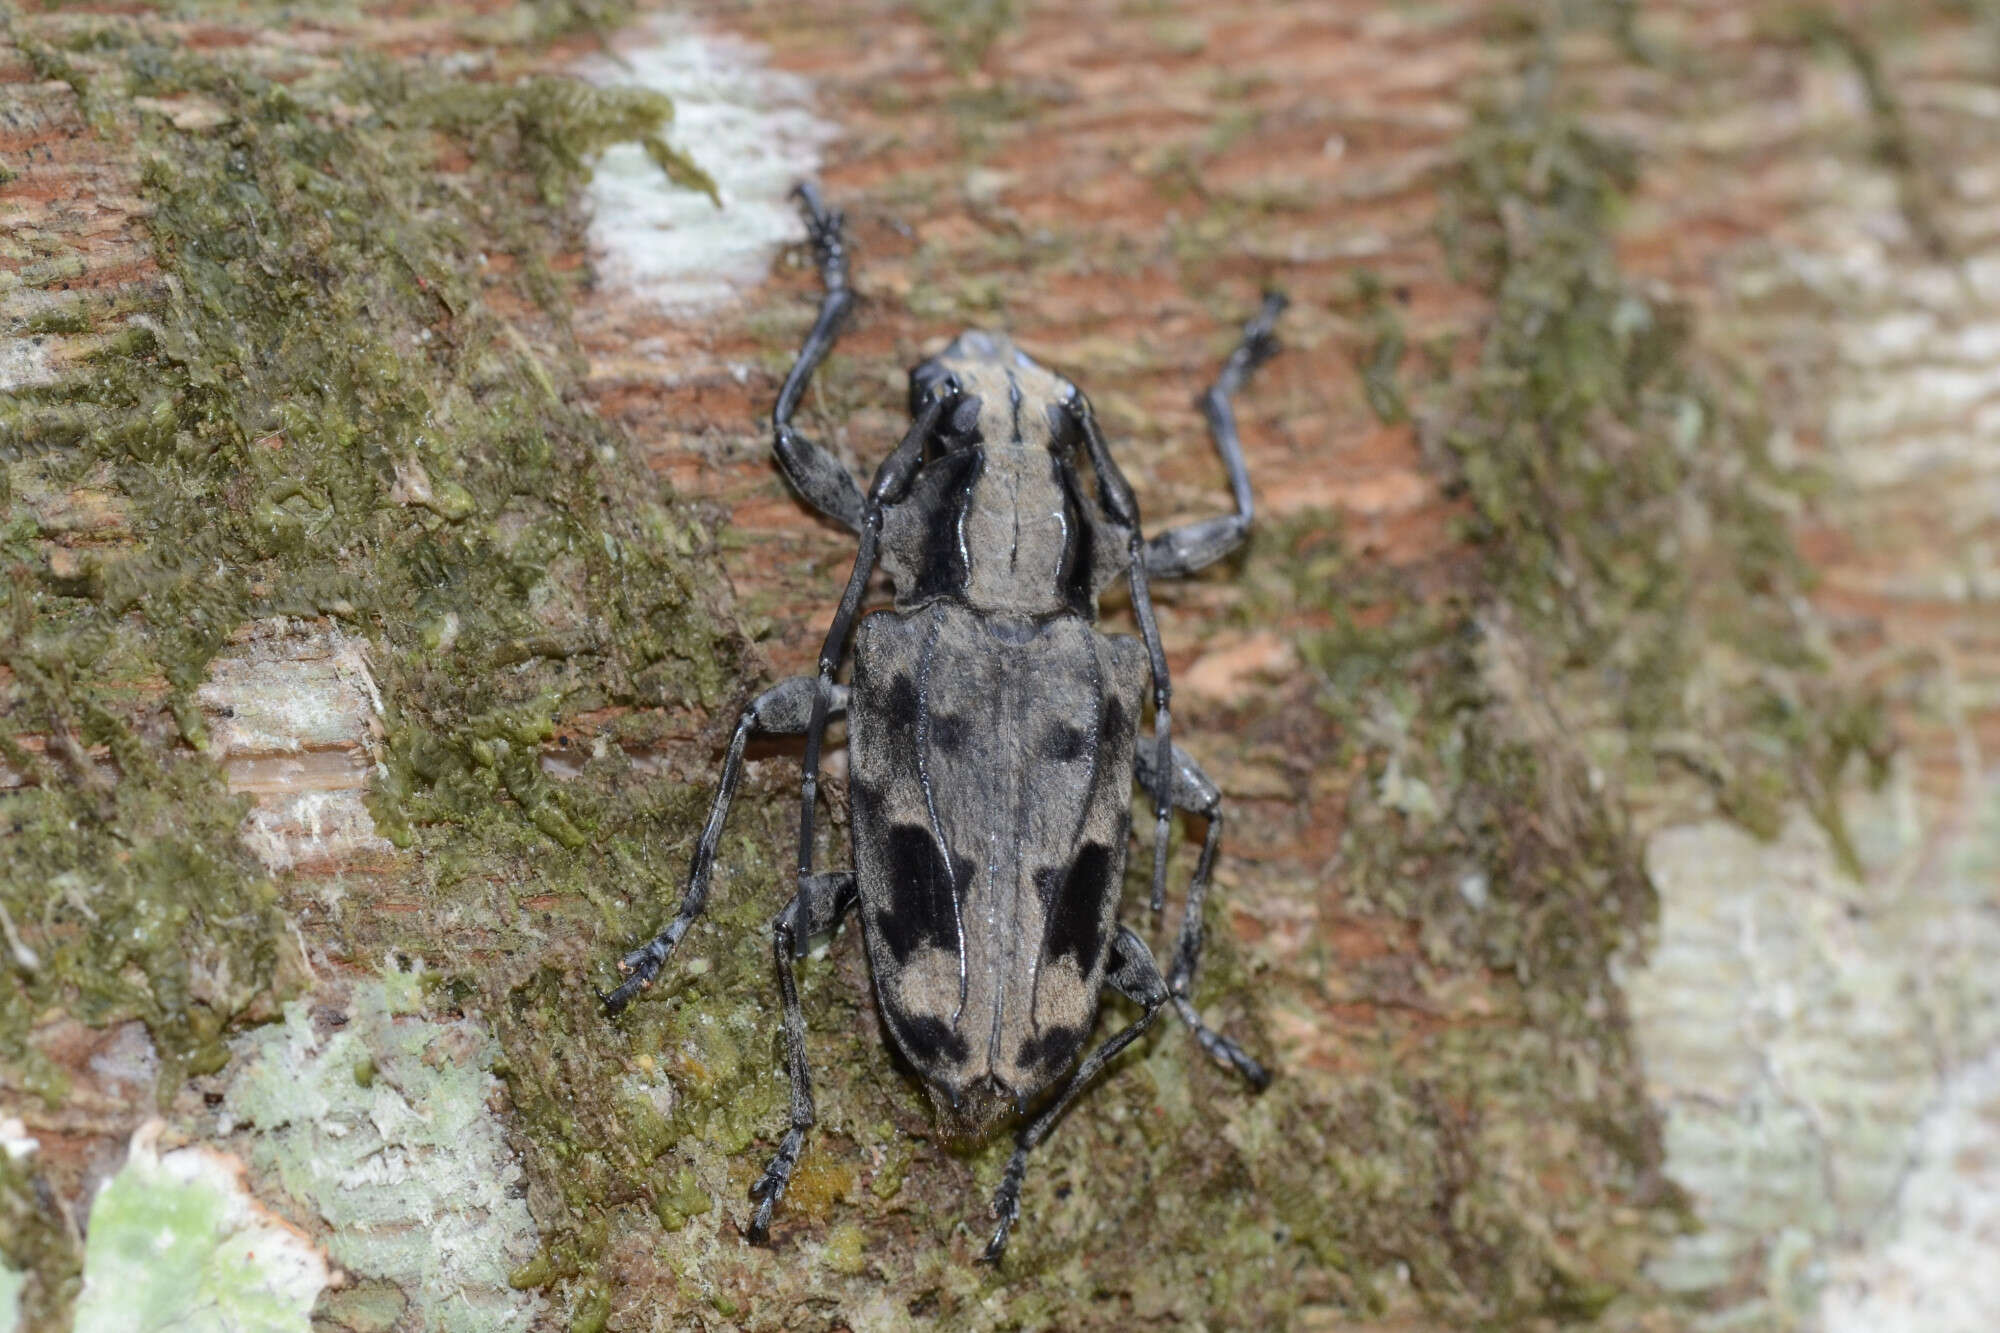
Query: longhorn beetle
992, 737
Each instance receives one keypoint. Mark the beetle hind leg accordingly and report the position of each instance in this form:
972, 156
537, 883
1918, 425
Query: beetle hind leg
1194, 791
1133, 974
783, 710
828, 898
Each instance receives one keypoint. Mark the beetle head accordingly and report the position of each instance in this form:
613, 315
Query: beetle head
969, 1114
989, 378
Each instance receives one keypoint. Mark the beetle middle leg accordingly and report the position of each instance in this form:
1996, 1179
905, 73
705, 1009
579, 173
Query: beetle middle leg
1133, 974
783, 710
1194, 791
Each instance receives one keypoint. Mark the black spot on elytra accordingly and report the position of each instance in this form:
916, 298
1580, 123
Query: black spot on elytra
1075, 912
919, 912
949, 732
900, 705
1051, 1051
926, 1039
1117, 730
1063, 743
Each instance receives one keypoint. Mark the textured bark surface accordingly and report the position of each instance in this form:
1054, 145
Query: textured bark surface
1505, 1086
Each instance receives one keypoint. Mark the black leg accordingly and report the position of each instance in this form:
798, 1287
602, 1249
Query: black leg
1133, 974
892, 479
1114, 494
783, 710
816, 474
1194, 791
1183, 550
827, 900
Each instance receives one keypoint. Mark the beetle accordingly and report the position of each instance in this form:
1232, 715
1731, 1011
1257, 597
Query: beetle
992, 737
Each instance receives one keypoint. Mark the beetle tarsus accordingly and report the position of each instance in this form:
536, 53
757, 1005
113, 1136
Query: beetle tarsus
1220, 1048
1006, 1205
770, 1186
1261, 335
825, 229
641, 966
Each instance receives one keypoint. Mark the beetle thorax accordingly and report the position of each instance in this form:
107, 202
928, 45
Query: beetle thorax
999, 520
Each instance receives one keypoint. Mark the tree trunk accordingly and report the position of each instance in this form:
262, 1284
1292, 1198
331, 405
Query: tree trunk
1602, 709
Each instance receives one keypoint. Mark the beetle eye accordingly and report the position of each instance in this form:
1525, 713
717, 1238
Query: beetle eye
1064, 432
928, 381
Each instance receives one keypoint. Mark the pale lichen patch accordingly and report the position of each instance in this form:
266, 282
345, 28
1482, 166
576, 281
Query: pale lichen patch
385, 1128
1933, 1271
1800, 1027
757, 136
177, 1242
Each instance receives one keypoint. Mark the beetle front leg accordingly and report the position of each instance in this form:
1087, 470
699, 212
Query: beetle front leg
828, 899
1133, 974
1183, 550
892, 481
1194, 791
783, 710
816, 474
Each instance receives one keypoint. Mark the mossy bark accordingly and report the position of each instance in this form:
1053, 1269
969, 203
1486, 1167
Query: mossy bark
313, 381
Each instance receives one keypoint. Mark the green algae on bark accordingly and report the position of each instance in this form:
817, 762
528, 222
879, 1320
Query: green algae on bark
1628, 614
1625, 503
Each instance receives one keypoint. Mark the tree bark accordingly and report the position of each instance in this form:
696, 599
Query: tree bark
1603, 708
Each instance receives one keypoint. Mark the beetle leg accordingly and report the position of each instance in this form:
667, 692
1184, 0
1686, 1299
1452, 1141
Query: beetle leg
1195, 791
1133, 974
816, 474
783, 710
827, 899
1181, 551
892, 482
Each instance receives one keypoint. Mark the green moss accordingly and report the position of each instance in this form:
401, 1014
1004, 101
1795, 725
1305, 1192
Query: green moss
329, 420
355, 400
1622, 496
37, 1242
1627, 618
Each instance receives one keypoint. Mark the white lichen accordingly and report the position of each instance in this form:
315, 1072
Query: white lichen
750, 127
384, 1130
1799, 1030
177, 1242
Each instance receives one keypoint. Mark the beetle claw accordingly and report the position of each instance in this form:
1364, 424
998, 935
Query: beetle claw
770, 1186
1008, 1213
638, 968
